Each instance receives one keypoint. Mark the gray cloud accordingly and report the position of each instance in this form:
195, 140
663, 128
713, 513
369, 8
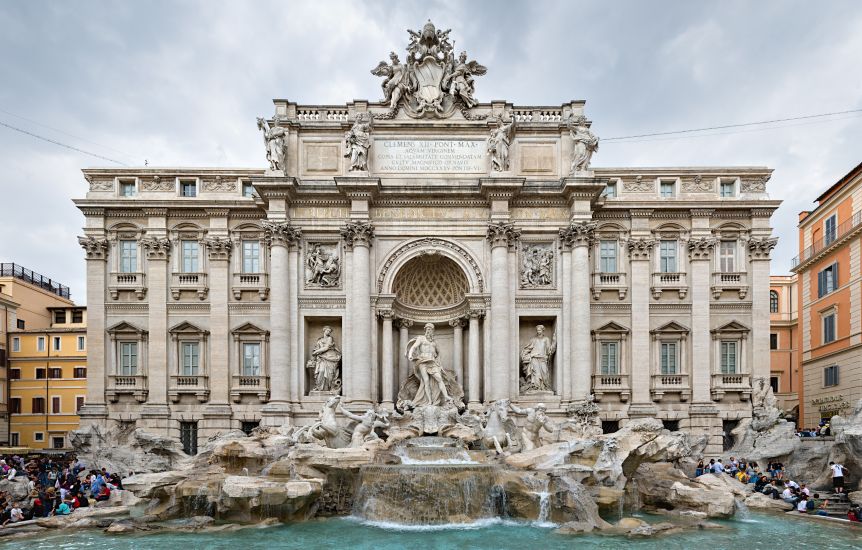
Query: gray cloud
180, 84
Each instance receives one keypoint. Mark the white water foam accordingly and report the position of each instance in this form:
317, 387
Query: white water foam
544, 511
478, 524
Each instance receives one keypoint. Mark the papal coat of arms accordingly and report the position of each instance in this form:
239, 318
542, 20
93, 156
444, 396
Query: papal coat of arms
431, 82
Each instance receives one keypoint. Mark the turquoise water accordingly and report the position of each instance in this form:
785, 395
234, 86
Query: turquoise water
766, 532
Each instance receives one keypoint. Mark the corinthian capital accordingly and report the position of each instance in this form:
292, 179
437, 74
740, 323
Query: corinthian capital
578, 234
357, 234
760, 248
640, 249
219, 248
157, 248
94, 249
503, 234
281, 233
701, 249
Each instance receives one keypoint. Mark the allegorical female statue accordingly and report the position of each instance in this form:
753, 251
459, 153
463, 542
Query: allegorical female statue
324, 362
586, 143
273, 138
535, 357
357, 142
498, 144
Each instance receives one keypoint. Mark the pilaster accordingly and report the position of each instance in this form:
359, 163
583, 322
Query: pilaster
157, 250
640, 251
501, 236
700, 255
579, 237
96, 252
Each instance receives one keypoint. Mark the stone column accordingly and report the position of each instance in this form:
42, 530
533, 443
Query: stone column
580, 235
387, 376
219, 251
403, 337
156, 410
358, 236
640, 251
500, 235
700, 270
473, 359
563, 363
95, 410
458, 349
293, 280
759, 251
280, 235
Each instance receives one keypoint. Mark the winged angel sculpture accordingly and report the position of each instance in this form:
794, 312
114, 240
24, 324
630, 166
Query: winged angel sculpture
431, 82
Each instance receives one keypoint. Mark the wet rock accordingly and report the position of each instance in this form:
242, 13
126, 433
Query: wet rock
574, 528
314, 461
630, 523
571, 501
663, 486
246, 498
121, 526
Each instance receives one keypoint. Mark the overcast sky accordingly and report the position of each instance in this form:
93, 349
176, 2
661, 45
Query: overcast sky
180, 84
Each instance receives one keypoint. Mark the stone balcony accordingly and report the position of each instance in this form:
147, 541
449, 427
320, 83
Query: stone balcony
193, 282
611, 384
729, 281
610, 281
127, 282
723, 384
670, 383
134, 385
669, 281
197, 385
249, 385
250, 282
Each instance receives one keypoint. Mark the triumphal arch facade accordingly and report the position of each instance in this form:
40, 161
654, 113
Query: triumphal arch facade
427, 246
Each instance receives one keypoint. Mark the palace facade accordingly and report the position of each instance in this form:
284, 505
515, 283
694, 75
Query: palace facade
209, 290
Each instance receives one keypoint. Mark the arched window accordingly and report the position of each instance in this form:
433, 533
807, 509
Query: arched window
773, 301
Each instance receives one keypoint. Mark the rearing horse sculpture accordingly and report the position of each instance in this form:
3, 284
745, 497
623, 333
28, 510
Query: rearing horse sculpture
494, 432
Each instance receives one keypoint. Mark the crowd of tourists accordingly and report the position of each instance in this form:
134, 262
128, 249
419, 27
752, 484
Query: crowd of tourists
773, 482
54, 487
823, 430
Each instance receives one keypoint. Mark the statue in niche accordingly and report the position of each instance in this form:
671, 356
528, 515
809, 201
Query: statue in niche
460, 79
322, 267
364, 432
274, 140
357, 142
535, 358
586, 143
325, 358
536, 420
498, 144
429, 383
397, 82
538, 267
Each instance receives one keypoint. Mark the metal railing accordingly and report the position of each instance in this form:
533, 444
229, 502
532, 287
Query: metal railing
30, 276
827, 239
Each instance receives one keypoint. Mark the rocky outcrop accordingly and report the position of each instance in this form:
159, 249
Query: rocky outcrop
660, 485
759, 501
127, 451
16, 488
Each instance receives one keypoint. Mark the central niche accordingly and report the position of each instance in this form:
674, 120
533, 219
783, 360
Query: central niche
430, 281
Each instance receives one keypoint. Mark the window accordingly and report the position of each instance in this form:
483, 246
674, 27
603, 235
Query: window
15, 439
77, 316
728, 357
829, 328
251, 359
666, 188
20, 324
190, 256
38, 436
829, 233
127, 188
40, 374
15, 405
667, 257
128, 358
188, 188
16, 344
14, 374
55, 404
58, 442
248, 426
727, 256
190, 359
250, 257
773, 341
670, 425
189, 437
59, 317
610, 190
773, 301
247, 189
82, 343
55, 373
57, 343
79, 403
830, 376
668, 358
79, 372
128, 256
38, 405
40, 343
608, 256
610, 426
827, 280
610, 358
773, 383
727, 189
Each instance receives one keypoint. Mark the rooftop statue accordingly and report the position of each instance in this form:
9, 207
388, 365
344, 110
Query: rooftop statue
586, 143
276, 146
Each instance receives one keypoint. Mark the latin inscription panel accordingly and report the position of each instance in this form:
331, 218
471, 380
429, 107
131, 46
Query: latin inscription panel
429, 156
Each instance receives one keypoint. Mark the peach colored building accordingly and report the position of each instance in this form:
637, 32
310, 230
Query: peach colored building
783, 341
830, 320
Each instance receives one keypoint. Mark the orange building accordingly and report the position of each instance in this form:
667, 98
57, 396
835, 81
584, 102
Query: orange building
783, 341
830, 289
